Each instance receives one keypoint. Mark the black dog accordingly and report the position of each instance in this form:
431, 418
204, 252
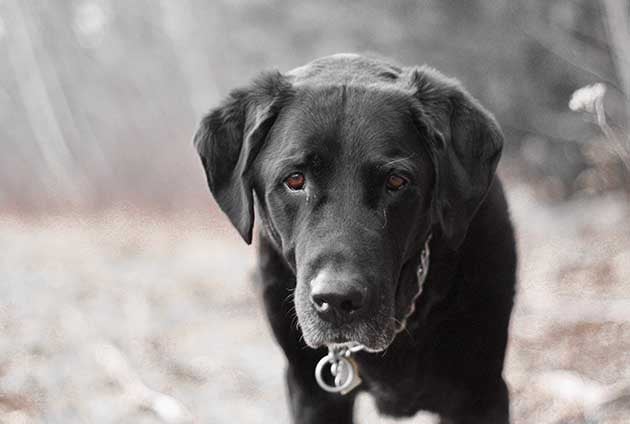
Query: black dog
356, 166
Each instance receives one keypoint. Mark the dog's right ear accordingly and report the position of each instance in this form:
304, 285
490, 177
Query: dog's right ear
229, 138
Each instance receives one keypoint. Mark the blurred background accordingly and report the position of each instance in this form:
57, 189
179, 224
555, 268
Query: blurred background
125, 297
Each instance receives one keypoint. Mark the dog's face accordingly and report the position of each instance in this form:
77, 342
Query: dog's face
345, 184
349, 180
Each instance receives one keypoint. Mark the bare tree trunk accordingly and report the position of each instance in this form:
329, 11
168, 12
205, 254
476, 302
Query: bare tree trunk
179, 23
39, 108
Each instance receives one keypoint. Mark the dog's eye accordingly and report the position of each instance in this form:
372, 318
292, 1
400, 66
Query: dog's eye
396, 182
295, 181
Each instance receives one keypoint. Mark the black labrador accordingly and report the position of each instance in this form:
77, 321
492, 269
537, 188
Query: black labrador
359, 169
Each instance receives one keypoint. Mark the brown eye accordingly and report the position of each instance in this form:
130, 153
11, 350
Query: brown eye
396, 182
295, 181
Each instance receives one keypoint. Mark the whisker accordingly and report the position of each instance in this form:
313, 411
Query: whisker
391, 162
403, 328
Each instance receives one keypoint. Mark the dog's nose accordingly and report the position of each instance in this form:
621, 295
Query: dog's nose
337, 300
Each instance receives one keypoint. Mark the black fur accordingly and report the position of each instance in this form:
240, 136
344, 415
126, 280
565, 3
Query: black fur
347, 122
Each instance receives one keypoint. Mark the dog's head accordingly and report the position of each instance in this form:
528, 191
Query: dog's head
353, 161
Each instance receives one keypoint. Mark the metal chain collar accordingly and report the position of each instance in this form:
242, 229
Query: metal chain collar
342, 365
421, 275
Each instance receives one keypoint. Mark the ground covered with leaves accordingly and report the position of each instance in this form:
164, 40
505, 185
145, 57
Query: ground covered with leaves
124, 317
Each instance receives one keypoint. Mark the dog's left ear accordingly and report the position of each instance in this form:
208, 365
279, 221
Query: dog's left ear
465, 144
229, 139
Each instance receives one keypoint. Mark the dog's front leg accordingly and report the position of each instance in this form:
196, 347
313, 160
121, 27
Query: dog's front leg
309, 404
489, 406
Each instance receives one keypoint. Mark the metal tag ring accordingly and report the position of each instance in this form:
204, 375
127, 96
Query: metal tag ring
329, 359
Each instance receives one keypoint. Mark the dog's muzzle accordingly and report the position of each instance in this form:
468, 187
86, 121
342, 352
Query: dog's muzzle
339, 363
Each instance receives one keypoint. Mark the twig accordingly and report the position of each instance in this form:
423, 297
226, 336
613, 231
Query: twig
620, 148
118, 369
616, 21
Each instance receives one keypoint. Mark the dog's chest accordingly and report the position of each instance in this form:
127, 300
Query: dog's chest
398, 389
401, 400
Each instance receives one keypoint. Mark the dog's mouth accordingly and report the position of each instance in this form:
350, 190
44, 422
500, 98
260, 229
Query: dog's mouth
375, 329
371, 335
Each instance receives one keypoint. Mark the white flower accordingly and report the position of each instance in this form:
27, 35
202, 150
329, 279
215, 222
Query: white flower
586, 98
90, 20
